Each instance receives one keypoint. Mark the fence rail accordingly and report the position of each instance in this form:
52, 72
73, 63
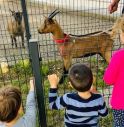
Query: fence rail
34, 54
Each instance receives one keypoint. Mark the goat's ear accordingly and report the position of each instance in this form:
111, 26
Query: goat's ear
55, 21
13, 12
49, 21
44, 17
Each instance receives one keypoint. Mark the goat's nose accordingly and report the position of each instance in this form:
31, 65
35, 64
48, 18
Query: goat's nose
39, 31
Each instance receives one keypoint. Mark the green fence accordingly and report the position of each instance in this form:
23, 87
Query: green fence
41, 57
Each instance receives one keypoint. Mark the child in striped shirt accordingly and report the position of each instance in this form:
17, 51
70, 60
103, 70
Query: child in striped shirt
83, 108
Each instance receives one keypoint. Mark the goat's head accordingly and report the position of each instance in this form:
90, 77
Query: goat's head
49, 24
17, 16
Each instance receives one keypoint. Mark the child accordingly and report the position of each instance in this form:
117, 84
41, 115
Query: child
83, 108
10, 107
114, 75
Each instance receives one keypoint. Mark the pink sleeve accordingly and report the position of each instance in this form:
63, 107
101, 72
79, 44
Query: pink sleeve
111, 71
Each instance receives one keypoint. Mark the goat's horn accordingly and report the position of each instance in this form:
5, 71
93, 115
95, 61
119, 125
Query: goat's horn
53, 14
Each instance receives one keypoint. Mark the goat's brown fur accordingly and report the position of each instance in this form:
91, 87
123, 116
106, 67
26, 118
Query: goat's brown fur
15, 29
100, 43
118, 27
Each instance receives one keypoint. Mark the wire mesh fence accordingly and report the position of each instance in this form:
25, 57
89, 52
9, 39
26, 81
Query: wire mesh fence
77, 17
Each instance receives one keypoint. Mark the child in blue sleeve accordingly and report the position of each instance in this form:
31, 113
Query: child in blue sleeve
10, 107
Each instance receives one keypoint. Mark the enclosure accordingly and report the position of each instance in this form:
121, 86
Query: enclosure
40, 56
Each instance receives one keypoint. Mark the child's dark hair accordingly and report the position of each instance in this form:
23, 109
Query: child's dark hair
81, 77
10, 102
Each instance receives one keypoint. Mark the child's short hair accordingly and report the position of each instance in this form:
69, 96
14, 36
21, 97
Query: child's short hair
10, 102
80, 77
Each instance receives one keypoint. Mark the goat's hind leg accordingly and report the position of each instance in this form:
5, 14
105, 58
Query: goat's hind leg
108, 54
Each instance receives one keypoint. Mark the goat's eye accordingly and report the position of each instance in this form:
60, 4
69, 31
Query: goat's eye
45, 24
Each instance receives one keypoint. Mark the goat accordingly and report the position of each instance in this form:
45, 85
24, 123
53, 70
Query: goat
74, 46
118, 27
16, 27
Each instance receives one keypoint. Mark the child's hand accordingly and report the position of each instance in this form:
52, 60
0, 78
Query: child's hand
32, 84
113, 6
53, 80
93, 89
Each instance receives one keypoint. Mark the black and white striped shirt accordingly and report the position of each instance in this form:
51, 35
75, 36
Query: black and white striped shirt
79, 112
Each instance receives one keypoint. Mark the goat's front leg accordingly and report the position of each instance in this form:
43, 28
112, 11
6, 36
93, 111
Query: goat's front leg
67, 63
15, 41
64, 75
12, 40
22, 37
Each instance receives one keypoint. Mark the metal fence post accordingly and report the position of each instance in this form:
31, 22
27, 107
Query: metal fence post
34, 54
27, 28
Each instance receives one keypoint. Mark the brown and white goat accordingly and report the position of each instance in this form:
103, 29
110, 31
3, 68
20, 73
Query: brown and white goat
16, 27
75, 47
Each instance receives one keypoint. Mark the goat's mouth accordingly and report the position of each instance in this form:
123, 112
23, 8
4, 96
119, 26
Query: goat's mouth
39, 31
19, 22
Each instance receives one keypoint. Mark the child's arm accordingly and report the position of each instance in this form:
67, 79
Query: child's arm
55, 102
30, 115
103, 111
93, 89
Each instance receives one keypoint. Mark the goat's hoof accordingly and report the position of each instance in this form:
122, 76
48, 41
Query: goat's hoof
23, 46
16, 46
61, 81
12, 46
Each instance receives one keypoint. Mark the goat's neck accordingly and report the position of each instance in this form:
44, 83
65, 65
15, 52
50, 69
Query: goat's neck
58, 33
